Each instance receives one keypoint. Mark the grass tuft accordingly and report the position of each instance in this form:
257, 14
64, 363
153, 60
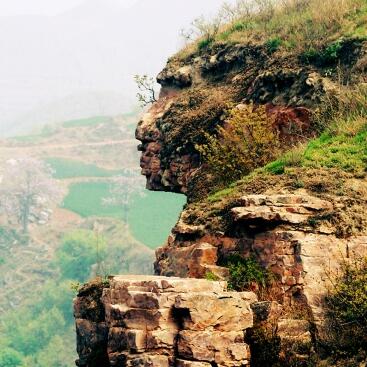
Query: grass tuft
312, 28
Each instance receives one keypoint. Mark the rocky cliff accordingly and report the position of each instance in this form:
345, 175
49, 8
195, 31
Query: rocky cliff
296, 221
159, 321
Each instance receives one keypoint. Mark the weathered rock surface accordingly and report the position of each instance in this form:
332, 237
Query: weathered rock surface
235, 75
296, 234
292, 209
158, 321
275, 229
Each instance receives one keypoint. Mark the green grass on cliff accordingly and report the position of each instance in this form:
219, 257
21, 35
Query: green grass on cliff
342, 146
307, 27
150, 217
348, 153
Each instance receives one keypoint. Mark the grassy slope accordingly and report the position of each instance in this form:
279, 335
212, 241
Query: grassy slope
342, 146
344, 149
306, 28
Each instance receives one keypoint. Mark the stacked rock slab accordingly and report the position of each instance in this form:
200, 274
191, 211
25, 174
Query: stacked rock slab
152, 321
275, 229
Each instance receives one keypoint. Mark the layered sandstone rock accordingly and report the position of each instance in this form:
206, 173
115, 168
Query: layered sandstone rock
278, 231
296, 234
158, 321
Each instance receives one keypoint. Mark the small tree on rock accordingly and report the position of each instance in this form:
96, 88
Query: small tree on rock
147, 91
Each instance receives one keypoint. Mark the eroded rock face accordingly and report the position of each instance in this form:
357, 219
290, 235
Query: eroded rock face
91, 326
197, 91
278, 230
158, 321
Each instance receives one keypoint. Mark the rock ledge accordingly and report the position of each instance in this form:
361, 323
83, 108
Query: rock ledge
160, 322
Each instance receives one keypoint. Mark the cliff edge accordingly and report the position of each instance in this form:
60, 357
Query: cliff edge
268, 141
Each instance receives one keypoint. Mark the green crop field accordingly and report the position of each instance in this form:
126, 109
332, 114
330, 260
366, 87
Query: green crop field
91, 121
150, 216
67, 168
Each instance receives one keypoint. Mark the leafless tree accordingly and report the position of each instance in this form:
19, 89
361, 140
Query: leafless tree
242, 9
26, 184
207, 28
147, 91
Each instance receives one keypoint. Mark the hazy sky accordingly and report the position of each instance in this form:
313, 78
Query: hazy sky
40, 7
44, 7
79, 57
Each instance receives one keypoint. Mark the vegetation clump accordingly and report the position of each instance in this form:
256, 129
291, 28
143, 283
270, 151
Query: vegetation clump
209, 275
246, 141
312, 28
265, 346
346, 306
246, 274
341, 145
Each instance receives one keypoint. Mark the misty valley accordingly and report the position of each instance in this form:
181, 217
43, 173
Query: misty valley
99, 221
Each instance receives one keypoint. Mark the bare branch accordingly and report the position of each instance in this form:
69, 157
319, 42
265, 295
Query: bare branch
146, 86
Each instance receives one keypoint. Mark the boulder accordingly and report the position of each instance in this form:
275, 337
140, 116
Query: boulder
229, 311
222, 348
152, 320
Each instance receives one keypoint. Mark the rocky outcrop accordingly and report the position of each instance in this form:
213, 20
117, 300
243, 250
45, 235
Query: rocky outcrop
159, 321
296, 225
197, 91
279, 231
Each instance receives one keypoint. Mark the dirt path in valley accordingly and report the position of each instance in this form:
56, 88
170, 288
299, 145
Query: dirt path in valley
70, 145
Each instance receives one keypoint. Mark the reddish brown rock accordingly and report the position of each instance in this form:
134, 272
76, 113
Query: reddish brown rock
183, 363
287, 120
144, 316
199, 257
223, 348
218, 311
277, 230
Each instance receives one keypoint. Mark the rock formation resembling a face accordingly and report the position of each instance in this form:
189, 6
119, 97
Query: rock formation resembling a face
164, 172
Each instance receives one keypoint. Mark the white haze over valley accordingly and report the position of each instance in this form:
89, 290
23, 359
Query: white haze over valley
64, 59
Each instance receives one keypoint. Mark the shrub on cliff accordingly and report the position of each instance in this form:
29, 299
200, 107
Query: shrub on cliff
346, 308
246, 141
247, 274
